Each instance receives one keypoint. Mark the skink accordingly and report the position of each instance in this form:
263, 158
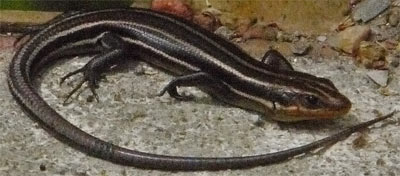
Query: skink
195, 56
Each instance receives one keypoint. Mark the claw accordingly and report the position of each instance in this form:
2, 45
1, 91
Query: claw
74, 90
92, 83
114, 52
173, 92
71, 74
93, 89
162, 92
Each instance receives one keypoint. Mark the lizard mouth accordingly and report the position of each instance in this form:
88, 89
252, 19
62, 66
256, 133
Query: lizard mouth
295, 113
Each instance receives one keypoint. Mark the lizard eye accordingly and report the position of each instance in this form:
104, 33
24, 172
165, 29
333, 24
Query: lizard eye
311, 100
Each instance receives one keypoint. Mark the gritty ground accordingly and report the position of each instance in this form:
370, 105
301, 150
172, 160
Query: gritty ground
129, 115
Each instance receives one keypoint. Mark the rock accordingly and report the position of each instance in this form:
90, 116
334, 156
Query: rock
261, 31
224, 32
372, 55
244, 25
270, 33
207, 20
395, 62
380, 77
7, 42
369, 9
326, 52
284, 37
176, 7
300, 48
349, 39
321, 38
394, 17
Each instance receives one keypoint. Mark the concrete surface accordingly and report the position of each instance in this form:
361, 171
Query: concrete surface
129, 115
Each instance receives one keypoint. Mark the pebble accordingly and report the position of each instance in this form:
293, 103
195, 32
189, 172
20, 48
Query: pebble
225, 32
394, 17
321, 38
176, 7
349, 39
372, 55
380, 77
284, 37
207, 21
261, 31
395, 62
369, 9
7, 42
300, 48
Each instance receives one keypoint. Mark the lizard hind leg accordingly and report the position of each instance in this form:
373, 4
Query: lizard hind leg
194, 79
114, 52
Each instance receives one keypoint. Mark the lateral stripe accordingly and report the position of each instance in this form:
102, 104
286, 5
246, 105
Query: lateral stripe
240, 60
163, 54
295, 85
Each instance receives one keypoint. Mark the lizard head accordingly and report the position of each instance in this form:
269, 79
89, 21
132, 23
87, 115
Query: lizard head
312, 99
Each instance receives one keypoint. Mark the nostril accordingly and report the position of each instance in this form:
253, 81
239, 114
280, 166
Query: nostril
340, 103
344, 105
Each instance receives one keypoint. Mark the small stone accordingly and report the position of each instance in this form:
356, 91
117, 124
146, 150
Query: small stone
372, 55
321, 38
394, 17
225, 32
284, 37
380, 77
207, 21
176, 7
349, 39
244, 25
300, 48
7, 42
327, 52
270, 33
369, 9
395, 62
261, 31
